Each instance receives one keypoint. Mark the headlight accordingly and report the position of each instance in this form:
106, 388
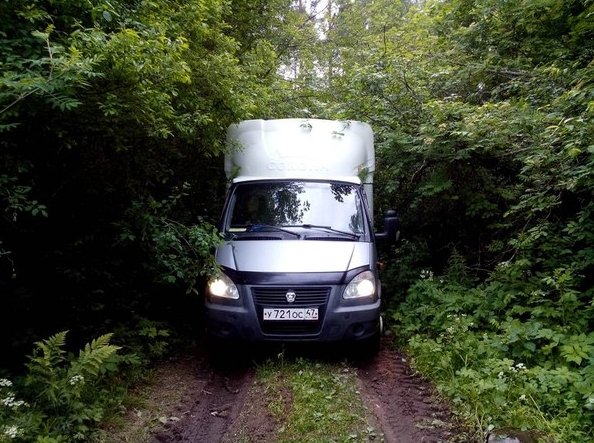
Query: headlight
223, 286
363, 285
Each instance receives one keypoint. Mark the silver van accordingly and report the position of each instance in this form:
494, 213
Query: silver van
299, 260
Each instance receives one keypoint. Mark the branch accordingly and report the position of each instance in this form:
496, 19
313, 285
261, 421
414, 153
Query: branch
418, 171
34, 90
411, 90
18, 99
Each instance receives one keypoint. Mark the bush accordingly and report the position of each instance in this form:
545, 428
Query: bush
501, 364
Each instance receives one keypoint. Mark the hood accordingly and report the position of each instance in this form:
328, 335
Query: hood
293, 255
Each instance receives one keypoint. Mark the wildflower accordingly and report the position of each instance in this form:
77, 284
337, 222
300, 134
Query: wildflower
501, 375
10, 402
11, 431
76, 379
522, 397
4, 382
521, 367
426, 274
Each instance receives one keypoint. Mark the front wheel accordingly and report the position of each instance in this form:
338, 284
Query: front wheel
368, 348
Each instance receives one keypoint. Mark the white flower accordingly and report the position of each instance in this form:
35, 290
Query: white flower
11, 431
522, 397
521, 367
426, 274
10, 402
76, 379
501, 375
5, 382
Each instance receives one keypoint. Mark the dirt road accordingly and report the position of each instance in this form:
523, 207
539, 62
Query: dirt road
403, 403
221, 402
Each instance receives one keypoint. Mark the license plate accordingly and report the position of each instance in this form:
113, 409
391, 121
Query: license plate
290, 314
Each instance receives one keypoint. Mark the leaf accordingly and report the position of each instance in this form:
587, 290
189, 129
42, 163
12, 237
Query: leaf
94, 356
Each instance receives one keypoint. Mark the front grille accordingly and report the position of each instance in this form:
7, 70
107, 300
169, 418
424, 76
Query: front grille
277, 297
311, 297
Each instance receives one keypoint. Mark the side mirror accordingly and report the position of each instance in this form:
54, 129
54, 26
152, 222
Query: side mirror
391, 228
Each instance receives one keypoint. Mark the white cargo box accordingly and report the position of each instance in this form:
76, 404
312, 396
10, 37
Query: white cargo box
298, 148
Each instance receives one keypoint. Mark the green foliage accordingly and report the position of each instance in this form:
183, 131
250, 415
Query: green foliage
65, 394
485, 146
181, 253
146, 341
527, 371
106, 109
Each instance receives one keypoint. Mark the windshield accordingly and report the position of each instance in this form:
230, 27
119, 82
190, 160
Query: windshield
309, 205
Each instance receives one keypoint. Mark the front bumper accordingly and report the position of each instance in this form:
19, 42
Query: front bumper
339, 319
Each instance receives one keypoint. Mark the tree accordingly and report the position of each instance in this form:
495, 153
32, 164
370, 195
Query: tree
111, 115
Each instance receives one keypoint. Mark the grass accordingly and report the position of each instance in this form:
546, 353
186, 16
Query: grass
315, 402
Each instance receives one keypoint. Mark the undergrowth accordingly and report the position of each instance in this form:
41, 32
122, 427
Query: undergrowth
506, 357
64, 396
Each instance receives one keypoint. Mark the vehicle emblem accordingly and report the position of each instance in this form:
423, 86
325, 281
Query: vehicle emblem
290, 296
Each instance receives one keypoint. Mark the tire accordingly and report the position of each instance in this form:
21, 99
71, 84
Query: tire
368, 348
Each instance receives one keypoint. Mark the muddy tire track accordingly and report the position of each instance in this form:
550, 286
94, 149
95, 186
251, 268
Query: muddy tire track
403, 403
212, 403
223, 401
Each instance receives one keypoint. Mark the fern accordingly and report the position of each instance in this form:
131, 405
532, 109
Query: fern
67, 393
48, 354
93, 357
45, 367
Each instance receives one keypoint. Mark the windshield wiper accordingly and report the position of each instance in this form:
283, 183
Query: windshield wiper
329, 229
262, 227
